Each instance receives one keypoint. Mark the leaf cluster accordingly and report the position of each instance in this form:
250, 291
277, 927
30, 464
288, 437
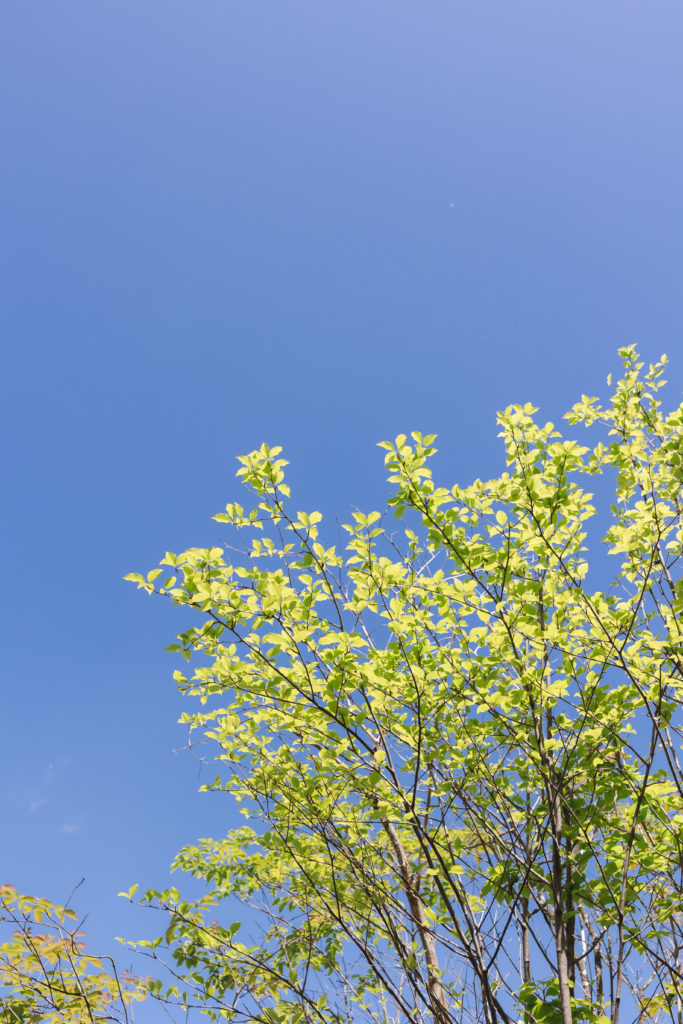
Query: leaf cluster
458, 757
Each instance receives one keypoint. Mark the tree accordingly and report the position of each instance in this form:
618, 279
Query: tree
456, 748
45, 973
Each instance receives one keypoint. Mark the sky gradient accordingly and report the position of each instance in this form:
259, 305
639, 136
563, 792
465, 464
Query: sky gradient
314, 224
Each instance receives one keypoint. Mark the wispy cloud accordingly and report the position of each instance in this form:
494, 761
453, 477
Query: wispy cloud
38, 795
70, 827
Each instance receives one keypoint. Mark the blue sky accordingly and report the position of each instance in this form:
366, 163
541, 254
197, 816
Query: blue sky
316, 224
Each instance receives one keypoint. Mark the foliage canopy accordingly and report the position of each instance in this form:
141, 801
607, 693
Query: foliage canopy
457, 749
46, 974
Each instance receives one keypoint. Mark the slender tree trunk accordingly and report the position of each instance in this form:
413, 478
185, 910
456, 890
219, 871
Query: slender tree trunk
559, 894
554, 796
586, 987
570, 915
597, 960
526, 952
435, 989
561, 937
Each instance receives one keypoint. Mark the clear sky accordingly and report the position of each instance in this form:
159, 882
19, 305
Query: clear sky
316, 224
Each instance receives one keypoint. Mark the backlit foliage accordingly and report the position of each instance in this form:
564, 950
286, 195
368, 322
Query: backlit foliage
455, 739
